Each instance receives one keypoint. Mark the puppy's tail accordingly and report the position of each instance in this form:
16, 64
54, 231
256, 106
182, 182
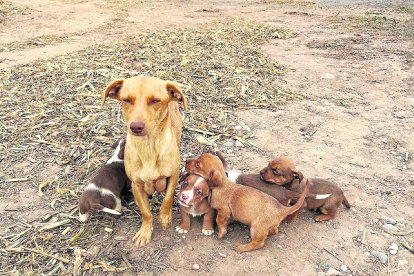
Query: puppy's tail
345, 202
99, 207
299, 203
220, 156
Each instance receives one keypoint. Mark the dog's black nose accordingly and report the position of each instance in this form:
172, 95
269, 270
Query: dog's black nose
261, 173
137, 128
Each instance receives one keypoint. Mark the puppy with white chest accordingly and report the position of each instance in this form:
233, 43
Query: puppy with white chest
105, 187
193, 200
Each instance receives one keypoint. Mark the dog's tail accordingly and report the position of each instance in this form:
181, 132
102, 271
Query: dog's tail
99, 207
292, 209
345, 202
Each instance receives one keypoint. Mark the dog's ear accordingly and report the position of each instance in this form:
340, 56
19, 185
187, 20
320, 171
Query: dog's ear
176, 94
298, 175
215, 180
112, 90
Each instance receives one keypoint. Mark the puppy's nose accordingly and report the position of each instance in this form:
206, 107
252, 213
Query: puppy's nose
261, 173
184, 196
137, 127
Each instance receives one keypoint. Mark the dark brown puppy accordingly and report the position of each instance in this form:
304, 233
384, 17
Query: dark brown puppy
281, 171
193, 200
105, 187
260, 211
283, 195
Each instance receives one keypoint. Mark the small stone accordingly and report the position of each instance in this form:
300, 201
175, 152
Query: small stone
327, 76
229, 151
375, 221
381, 205
393, 248
390, 220
239, 144
222, 255
402, 263
332, 271
367, 253
228, 144
382, 257
196, 266
279, 246
389, 228
238, 127
344, 268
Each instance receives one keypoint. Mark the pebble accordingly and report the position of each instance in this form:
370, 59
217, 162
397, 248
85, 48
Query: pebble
332, 271
402, 263
238, 127
279, 246
222, 255
389, 228
393, 248
390, 220
381, 206
382, 257
327, 76
344, 268
239, 144
228, 144
196, 266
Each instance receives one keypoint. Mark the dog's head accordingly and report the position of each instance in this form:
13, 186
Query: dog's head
193, 190
145, 101
280, 171
209, 167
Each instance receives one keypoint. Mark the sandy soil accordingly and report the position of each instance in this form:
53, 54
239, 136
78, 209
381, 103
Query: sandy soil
354, 125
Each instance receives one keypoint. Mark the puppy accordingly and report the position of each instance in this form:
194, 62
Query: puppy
281, 171
283, 195
152, 150
260, 211
193, 200
105, 187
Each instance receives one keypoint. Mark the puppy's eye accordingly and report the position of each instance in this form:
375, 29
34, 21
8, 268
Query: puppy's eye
275, 171
198, 192
154, 101
197, 164
185, 184
127, 101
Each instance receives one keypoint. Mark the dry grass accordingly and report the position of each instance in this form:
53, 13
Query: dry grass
51, 116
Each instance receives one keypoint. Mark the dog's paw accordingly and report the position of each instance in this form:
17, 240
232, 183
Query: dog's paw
207, 232
165, 219
84, 217
143, 236
180, 230
221, 234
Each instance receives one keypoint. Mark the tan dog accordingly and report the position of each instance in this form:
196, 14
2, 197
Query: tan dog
193, 200
152, 151
247, 205
281, 171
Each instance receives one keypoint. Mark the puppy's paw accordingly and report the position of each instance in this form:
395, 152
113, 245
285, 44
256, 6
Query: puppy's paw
180, 230
207, 232
84, 217
221, 234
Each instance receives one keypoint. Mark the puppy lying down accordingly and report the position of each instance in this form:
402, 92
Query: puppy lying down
105, 187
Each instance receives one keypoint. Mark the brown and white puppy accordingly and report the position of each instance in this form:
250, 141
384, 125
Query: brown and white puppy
283, 195
247, 205
152, 151
105, 187
193, 200
281, 171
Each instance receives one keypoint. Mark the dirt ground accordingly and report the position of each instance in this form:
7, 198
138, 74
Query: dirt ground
353, 64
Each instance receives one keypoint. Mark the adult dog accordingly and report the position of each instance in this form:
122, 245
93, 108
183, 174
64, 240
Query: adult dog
152, 150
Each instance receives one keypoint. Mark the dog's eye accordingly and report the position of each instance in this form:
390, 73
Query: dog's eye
154, 101
185, 184
198, 192
127, 101
275, 171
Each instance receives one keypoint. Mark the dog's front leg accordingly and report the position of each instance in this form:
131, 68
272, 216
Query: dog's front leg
143, 236
166, 207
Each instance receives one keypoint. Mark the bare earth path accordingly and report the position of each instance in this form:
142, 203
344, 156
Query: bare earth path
355, 125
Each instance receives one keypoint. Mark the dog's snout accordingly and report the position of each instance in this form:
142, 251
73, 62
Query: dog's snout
184, 196
261, 173
137, 128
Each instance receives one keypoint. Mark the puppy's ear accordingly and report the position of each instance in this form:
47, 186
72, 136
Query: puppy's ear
112, 90
176, 94
215, 180
298, 175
